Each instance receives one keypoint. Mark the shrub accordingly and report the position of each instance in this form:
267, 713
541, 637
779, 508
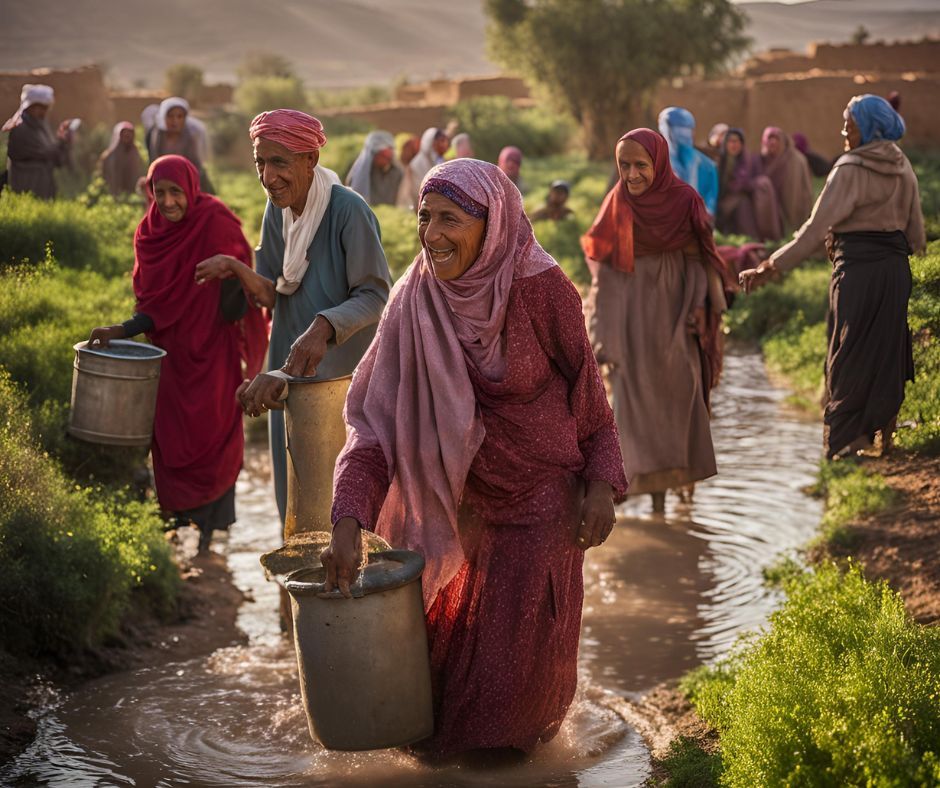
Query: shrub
802, 298
183, 80
841, 690
494, 122
43, 312
399, 237
99, 237
72, 559
259, 94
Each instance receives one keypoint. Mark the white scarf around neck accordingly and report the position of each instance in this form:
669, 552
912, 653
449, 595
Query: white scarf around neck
299, 232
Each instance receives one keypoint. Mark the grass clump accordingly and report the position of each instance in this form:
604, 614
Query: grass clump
689, 766
98, 237
74, 559
850, 492
843, 689
44, 311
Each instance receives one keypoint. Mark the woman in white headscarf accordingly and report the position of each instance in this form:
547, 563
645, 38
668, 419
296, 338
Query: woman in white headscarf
172, 135
375, 175
33, 152
434, 144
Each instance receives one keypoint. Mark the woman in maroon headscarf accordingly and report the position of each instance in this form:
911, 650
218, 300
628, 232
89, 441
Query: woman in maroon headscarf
479, 434
654, 313
747, 202
789, 172
208, 331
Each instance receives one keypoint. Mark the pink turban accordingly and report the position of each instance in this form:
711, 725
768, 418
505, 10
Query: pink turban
297, 131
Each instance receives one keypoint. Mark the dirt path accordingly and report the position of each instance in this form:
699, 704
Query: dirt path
206, 621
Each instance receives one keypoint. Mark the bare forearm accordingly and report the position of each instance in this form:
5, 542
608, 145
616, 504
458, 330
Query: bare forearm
260, 289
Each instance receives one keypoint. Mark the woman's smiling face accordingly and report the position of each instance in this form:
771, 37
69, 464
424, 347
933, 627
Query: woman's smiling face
170, 199
452, 239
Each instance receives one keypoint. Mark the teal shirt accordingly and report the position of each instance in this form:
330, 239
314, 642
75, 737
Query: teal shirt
347, 282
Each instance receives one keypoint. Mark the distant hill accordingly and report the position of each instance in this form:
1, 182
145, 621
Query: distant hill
350, 42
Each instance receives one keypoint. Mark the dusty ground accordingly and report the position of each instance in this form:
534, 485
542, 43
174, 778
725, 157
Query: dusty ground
205, 621
900, 545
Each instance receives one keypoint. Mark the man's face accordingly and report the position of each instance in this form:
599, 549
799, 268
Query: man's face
285, 175
37, 111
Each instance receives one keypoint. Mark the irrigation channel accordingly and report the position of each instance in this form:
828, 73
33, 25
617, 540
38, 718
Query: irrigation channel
663, 595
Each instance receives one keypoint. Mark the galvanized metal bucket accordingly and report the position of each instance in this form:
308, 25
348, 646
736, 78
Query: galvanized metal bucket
316, 434
114, 392
365, 673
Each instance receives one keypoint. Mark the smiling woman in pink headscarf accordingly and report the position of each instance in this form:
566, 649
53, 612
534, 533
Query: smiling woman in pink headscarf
479, 435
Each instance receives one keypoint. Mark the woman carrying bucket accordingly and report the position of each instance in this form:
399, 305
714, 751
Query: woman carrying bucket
208, 331
480, 436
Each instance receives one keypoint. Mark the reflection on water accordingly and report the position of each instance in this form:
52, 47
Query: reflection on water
663, 595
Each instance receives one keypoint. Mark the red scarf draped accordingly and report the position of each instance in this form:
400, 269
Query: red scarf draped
667, 217
198, 441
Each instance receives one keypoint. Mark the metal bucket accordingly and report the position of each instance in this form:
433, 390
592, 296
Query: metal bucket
316, 434
114, 392
365, 674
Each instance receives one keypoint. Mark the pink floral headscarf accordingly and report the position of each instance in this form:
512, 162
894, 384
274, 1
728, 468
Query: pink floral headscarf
412, 394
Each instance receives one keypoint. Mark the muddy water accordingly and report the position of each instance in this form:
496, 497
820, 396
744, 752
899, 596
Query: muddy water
663, 595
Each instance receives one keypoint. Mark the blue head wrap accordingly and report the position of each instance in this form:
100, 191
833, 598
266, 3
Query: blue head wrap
876, 118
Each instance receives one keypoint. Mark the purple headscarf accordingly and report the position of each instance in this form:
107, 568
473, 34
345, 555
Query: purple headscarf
412, 395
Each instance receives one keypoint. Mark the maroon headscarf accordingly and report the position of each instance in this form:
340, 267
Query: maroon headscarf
668, 216
197, 430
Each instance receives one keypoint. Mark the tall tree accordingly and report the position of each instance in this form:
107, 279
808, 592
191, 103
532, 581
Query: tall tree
602, 60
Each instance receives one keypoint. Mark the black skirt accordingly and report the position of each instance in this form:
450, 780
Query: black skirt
215, 516
870, 355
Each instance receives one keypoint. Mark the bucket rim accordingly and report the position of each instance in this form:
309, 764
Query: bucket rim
154, 352
291, 380
412, 565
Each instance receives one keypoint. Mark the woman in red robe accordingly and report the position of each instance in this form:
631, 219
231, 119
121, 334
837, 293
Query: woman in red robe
479, 435
207, 330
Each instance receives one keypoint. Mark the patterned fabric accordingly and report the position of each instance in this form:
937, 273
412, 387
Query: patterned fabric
413, 396
456, 195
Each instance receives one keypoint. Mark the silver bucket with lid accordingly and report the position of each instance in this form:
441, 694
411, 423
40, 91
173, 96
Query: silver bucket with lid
365, 673
114, 392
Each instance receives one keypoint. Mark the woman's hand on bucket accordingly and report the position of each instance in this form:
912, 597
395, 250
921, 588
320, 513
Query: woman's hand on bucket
102, 336
343, 557
597, 515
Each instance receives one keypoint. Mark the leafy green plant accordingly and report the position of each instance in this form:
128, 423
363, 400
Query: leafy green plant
842, 689
494, 122
850, 492
98, 237
73, 558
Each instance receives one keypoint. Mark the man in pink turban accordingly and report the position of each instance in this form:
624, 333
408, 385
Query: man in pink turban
320, 267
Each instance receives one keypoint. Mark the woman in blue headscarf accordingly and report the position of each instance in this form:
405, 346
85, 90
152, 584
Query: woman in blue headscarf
677, 125
870, 218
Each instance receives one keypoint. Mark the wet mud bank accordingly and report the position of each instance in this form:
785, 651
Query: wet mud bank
205, 620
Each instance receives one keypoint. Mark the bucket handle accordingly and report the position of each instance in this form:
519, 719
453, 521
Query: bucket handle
412, 564
97, 374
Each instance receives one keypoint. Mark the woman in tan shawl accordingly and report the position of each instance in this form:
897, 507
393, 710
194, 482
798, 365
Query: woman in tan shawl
789, 172
654, 314
121, 164
870, 217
